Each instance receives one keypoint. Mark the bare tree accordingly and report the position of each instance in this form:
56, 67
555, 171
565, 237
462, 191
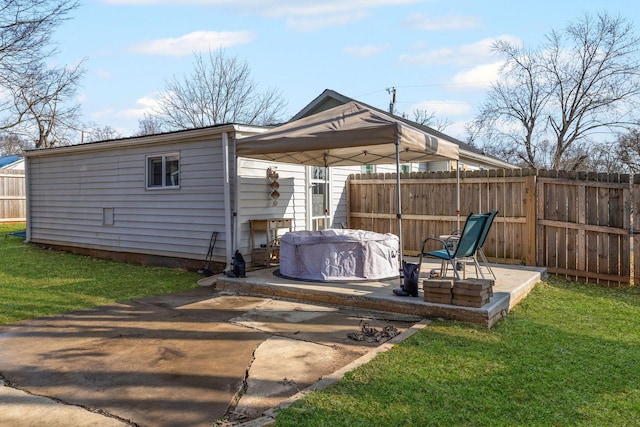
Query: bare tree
509, 117
427, 118
149, 125
219, 90
549, 101
627, 149
12, 144
103, 133
33, 95
44, 100
26, 27
604, 157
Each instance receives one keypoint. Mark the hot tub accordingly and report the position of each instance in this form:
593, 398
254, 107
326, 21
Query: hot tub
330, 255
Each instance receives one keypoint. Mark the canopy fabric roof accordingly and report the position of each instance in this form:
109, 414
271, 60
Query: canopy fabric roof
349, 134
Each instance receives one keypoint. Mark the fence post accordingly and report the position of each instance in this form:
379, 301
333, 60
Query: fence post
530, 242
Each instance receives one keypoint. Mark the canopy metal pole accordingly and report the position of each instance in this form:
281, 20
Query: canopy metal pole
326, 195
458, 192
398, 206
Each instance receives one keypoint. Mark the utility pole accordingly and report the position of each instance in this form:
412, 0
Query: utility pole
392, 91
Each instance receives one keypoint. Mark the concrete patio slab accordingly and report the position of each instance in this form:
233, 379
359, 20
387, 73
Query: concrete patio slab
20, 408
512, 284
182, 359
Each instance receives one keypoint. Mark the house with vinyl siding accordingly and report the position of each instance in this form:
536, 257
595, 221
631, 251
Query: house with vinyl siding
158, 199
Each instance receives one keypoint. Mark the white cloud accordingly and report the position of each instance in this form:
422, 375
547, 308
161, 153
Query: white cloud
365, 51
103, 74
301, 15
478, 77
421, 21
444, 108
278, 8
198, 41
464, 55
318, 8
144, 105
458, 129
317, 23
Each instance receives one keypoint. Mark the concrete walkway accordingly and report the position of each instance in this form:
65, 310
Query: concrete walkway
176, 360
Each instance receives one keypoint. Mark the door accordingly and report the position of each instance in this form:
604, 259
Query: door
319, 206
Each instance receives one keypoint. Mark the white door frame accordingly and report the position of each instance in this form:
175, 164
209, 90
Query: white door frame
328, 199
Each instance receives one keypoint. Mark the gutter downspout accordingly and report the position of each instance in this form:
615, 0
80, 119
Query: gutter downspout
27, 195
236, 202
458, 193
228, 218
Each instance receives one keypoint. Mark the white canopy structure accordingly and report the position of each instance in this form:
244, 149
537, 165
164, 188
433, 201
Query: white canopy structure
349, 134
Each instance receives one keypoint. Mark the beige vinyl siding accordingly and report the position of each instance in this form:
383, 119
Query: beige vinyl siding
256, 203
255, 197
69, 192
339, 177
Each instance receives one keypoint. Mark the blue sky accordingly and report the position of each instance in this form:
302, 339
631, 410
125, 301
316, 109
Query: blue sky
436, 53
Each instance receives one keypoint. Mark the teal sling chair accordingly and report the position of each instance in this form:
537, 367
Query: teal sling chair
473, 235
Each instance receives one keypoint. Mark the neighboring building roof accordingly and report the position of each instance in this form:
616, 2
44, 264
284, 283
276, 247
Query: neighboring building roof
7, 160
330, 98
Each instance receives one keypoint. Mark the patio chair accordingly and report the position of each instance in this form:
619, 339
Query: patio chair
483, 238
466, 247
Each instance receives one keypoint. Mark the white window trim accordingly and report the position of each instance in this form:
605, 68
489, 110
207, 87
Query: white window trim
164, 164
329, 198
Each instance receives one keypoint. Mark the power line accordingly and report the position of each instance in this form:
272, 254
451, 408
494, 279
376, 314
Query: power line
445, 84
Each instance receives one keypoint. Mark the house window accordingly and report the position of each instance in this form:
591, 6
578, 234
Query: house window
405, 168
367, 169
163, 171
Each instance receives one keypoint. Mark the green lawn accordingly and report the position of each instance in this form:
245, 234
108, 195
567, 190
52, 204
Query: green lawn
568, 355
37, 282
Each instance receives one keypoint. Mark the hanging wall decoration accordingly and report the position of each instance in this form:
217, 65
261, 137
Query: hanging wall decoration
272, 176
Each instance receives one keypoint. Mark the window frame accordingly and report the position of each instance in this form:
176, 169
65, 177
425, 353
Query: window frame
367, 169
164, 158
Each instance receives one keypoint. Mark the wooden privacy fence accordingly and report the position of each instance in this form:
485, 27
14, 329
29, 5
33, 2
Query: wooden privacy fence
13, 201
584, 226
575, 224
